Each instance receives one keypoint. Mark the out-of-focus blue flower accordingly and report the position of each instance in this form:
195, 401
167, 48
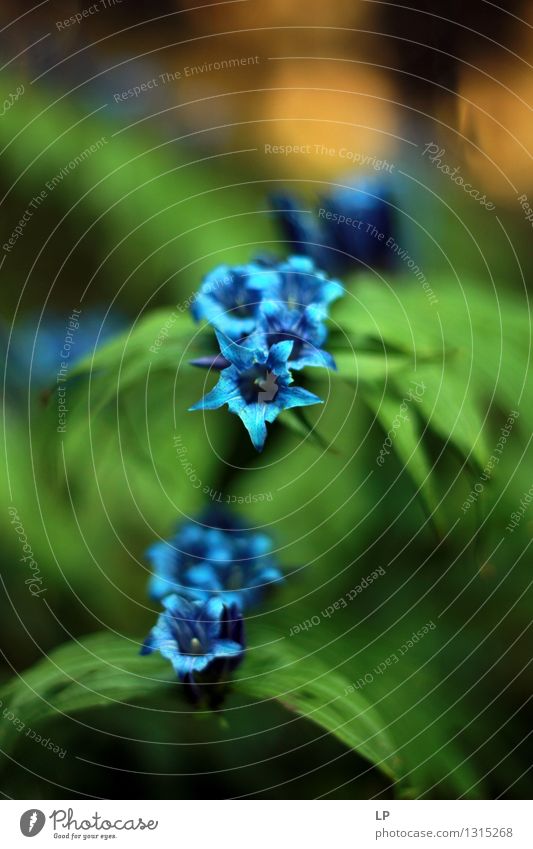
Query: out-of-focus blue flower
198, 638
300, 228
229, 298
217, 556
369, 202
303, 327
45, 345
256, 387
349, 228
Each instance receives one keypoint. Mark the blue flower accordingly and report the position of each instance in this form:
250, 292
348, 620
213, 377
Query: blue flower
344, 231
43, 345
301, 229
217, 556
304, 327
229, 298
298, 283
199, 638
256, 386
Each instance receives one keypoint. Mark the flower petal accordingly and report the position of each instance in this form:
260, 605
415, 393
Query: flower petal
211, 610
226, 648
202, 577
242, 358
301, 263
159, 587
179, 607
253, 418
214, 362
296, 396
279, 354
224, 392
310, 356
184, 664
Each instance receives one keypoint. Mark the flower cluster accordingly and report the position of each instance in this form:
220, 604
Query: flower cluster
219, 555
269, 318
198, 638
350, 226
205, 577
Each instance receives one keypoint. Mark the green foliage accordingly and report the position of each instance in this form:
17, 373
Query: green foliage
102, 670
467, 355
144, 221
141, 201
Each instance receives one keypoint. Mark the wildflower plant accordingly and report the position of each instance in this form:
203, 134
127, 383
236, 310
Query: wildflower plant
256, 386
203, 640
269, 319
205, 577
268, 322
217, 554
274, 323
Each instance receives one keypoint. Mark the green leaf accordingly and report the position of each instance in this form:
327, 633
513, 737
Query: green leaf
143, 203
296, 420
306, 685
98, 671
369, 366
162, 340
105, 670
470, 349
455, 411
407, 442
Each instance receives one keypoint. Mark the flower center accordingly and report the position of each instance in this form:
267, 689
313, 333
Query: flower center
258, 385
295, 292
196, 646
242, 309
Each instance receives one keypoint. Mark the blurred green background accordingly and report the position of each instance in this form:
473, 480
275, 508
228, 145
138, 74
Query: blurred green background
178, 184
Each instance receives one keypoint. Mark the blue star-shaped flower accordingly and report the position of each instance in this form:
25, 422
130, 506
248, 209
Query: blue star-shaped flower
220, 556
198, 637
229, 298
256, 387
